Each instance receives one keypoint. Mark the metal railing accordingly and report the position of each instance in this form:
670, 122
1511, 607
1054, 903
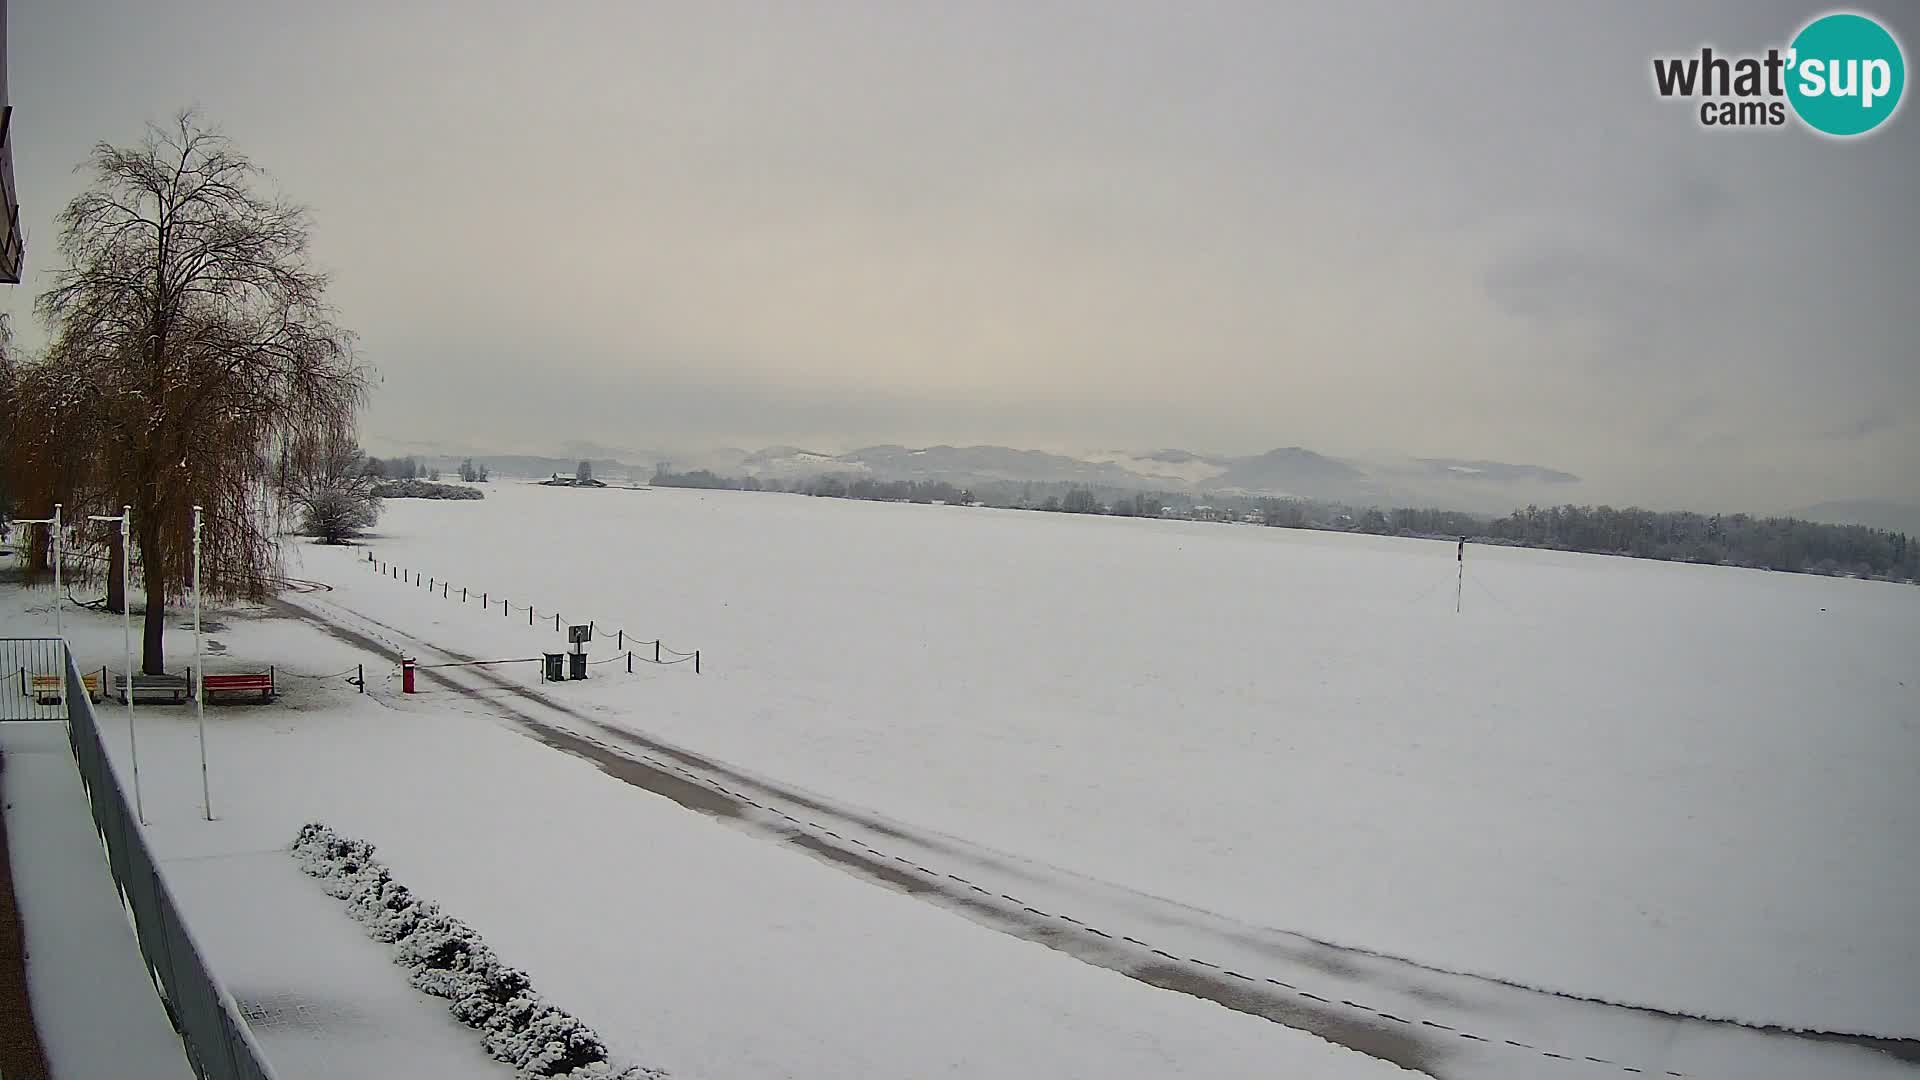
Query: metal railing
218, 1042
33, 679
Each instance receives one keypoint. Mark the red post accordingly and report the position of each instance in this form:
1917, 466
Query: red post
406, 675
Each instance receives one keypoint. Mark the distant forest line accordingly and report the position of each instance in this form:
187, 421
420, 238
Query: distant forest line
1768, 543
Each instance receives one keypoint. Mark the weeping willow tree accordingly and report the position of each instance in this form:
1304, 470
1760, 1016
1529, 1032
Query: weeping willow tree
193, 357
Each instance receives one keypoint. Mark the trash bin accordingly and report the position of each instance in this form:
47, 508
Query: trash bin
576, 665
555, 670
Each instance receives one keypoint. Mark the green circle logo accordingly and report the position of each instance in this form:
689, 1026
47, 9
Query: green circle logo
1845, 74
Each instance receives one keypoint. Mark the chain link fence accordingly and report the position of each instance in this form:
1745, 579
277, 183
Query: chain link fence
218, 1042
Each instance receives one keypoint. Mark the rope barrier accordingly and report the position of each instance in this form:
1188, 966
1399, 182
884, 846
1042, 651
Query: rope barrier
301, 675
477, 663
638, 659
507, 607
1495, 599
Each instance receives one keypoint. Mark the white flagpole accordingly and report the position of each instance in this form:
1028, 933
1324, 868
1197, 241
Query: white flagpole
59, 627
126, 633
199, 675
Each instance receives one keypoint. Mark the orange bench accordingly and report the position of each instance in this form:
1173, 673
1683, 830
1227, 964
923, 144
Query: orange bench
47, 688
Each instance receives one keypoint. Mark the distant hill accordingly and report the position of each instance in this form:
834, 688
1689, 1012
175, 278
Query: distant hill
1294, 471
1488, 486
1480, 486
1902, 517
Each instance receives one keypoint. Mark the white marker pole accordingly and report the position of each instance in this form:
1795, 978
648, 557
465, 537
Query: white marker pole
199, 675
126, 631
1460, 575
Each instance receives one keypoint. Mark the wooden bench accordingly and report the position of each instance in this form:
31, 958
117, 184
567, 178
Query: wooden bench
46, 688
175, 689
260, 682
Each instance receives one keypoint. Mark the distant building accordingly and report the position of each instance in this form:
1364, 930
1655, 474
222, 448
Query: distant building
570, 480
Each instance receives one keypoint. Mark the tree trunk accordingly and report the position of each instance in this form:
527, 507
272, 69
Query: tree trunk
37, 541
153, 658
116, 557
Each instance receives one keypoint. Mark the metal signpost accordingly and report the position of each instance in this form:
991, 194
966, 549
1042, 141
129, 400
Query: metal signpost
578, 636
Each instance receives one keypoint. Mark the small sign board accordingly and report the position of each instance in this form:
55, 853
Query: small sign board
579, 635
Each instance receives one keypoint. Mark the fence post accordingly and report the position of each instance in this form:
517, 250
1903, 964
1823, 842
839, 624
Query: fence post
463, 594
696, 661
443, 590
529, 614
556, 620
656, 650
620, 642
363, 677
629, 662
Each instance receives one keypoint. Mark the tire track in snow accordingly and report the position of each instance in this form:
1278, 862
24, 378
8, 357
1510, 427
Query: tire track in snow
674, 781
689, 779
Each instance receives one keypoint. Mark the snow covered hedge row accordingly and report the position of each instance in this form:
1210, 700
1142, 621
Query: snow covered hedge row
447, 959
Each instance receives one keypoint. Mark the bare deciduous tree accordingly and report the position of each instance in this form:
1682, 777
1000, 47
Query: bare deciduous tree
333, 489
189, 309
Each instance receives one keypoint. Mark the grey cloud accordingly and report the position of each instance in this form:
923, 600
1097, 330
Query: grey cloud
1458, 231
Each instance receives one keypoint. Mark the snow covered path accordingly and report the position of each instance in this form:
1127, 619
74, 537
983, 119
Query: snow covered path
83, 962
1436, 1022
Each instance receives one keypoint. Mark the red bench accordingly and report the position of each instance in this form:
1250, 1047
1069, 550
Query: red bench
241, 683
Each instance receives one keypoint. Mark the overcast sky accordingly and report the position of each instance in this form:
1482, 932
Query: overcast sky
1444, 230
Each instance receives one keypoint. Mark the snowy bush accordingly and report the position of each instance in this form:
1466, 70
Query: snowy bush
446, 958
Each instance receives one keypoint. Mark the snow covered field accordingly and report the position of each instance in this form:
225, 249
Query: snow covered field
1676, 786
1680, 787
686, 944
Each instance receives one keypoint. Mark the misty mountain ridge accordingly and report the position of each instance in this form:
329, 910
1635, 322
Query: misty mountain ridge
1474, 485
1292, 471
1888, 514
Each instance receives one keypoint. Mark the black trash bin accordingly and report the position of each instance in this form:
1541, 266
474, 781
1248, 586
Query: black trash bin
555, 666
576, 665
